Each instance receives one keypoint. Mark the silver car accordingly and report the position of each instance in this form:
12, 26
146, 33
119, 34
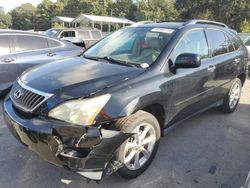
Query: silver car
84, 37
20, 50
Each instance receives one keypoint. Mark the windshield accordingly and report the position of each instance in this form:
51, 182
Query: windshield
52, 32
138, 46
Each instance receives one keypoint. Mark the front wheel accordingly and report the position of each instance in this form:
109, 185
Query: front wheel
231, 100
139, 150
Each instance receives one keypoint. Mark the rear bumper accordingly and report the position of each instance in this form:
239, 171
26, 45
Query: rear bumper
86, 151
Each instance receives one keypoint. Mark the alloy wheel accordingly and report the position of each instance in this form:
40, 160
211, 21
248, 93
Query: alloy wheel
140, 146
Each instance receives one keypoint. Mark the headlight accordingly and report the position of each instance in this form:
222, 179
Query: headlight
81, 112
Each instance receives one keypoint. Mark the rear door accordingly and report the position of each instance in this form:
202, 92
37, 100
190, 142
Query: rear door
192, 87
8, 71
31, 50
226, 58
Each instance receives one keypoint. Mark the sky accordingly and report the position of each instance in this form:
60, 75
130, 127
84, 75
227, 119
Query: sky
11, 4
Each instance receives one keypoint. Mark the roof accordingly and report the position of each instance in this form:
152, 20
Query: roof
18, 31
76, 29
84, 18
62, 19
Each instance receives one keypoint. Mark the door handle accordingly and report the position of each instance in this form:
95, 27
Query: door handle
211, 68
7, 60
51, 54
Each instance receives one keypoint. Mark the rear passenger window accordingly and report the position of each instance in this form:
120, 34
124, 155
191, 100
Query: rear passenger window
96, 34
26, 43
84, 34
217, 41
193, 42
4, 45
53, 43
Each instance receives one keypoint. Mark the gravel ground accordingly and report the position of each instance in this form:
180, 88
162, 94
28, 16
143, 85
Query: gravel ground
210, 150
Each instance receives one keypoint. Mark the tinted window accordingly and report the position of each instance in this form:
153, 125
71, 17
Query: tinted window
247, 43
68, 34
4, 45
84, 34
26, 43
192, 42
235, 42
53, 43
230, 45
96, 34
217, 41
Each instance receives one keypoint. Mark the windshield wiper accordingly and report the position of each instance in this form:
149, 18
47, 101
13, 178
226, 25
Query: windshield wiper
111, 60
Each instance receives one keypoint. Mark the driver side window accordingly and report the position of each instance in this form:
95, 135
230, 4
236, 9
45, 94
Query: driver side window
193, 42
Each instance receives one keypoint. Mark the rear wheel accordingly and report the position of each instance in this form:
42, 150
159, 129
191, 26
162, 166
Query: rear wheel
139, 150
231, 100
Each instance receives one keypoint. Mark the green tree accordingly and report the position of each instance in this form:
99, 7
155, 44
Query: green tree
227, 11
5, 20
45, 12
23, 17
76, 7
158, 10
245, 26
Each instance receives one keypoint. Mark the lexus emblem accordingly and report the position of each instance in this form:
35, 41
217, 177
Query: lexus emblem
18, 94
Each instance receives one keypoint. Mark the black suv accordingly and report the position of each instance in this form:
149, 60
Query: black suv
106, 110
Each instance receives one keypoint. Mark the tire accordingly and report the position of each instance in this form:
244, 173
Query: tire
148, 129
227, 105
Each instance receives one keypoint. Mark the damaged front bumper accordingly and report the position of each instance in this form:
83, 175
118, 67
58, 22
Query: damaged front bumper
87, 151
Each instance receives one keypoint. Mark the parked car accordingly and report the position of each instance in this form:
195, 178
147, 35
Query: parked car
20, 50
84, 37
246, 40
107, 110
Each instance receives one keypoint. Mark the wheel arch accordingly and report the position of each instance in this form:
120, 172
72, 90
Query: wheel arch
242, 78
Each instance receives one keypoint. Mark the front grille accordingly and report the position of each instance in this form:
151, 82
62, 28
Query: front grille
25, 99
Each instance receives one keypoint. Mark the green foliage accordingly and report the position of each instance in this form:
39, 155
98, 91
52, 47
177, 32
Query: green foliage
229, 12
232, 12
158, 10
56, 25
23, 17
5, 20
245, 26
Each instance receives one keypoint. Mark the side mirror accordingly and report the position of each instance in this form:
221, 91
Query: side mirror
187, 61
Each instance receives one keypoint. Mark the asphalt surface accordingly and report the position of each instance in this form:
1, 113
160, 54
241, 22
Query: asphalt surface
209, 150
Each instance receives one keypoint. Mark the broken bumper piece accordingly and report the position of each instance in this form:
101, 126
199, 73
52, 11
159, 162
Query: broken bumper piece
86, 151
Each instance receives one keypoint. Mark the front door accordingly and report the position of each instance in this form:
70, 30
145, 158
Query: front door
192, 87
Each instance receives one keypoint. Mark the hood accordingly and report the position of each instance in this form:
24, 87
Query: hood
77, 77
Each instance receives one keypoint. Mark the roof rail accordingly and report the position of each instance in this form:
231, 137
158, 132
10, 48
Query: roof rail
142, 23
196, 21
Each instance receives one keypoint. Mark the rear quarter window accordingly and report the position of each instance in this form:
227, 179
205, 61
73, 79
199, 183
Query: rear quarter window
53, 43
235, 41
